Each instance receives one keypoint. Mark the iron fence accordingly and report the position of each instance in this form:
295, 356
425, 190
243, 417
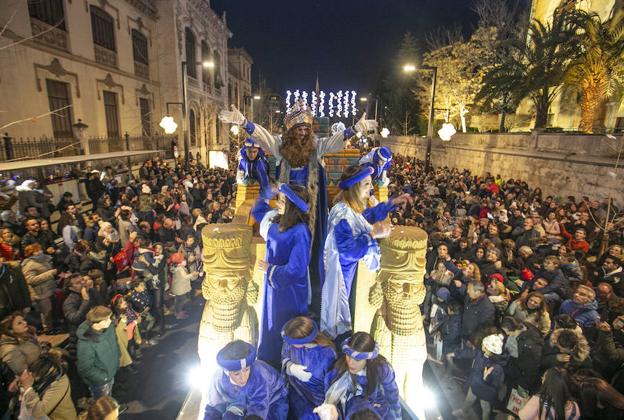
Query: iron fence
15, 149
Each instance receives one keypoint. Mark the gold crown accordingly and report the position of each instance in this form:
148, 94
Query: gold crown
302, 115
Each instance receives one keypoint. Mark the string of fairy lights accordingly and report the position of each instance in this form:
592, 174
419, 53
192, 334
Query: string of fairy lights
341, 104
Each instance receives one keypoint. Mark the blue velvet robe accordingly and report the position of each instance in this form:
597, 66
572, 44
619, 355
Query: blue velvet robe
264, 395
384, 400
286, 282
305, 396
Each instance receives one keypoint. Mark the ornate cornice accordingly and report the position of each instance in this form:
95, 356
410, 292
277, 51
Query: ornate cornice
56, 68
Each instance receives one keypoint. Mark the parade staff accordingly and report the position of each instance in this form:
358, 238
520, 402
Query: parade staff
244, 387
362, 380
307, 356
299, 154
354, 227
286, 287
253, 165
380, 159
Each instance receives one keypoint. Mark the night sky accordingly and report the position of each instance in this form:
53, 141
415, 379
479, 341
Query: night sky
350, 43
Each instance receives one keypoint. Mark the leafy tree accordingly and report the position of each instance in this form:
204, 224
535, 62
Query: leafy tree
460, 70
536, 67
598, 73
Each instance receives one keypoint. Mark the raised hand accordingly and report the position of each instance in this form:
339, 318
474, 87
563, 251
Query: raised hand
364, 125
232, 117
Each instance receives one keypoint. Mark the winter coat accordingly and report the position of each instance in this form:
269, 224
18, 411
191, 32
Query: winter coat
180, 280
477, 314
75, 310
523, 315
14, 294
579, 356
19, 354
607, 354
56, 397
98, 354
524, 370
486, 389
40, 276
585, 315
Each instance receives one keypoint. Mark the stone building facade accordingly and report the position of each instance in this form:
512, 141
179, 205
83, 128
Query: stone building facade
239, 86
113, 64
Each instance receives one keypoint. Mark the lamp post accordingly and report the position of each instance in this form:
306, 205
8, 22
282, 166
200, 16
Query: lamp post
411, 68
187, 147
80, 133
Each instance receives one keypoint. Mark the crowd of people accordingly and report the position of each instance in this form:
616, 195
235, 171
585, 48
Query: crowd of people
82, 294
524, 303
524, 300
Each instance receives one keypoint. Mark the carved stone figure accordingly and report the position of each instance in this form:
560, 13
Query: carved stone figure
228, 289
396, 294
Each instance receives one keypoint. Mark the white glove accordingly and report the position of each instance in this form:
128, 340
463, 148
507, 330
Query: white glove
232, 117
298, 371
326, 412
364, 125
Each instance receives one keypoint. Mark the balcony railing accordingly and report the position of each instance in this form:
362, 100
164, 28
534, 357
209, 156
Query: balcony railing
141, 70
49, 35
105, 56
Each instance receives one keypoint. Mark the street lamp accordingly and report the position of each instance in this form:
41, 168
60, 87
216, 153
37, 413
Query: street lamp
257, 97
363, 99
80, 132
411, 68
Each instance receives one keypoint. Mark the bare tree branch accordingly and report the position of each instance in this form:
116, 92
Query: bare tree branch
441, 37
21, 41
6, 25
54, 112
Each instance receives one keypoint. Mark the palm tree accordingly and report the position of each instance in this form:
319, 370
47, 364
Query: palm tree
535, 67
598, 73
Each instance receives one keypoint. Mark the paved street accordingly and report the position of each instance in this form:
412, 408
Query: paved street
160, 385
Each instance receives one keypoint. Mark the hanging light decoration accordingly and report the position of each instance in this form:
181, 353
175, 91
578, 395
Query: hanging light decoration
321, 104
339, 104
353, 107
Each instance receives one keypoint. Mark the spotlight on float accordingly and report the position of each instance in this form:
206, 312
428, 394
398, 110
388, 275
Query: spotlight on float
424, 400
168, 124
198, 377
235, 129
447, 131
385, 132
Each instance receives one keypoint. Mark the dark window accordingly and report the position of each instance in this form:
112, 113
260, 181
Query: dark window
146, 116
139, 47
205, 54
191, 59
619, 125
58, 97
103, 28
48, 11
192, 128
218, 82
112, 114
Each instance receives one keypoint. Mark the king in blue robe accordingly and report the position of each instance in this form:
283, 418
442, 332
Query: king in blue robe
286, 287
243, 387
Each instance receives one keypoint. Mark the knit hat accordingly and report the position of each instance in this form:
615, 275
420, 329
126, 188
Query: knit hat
526, 274
493, 343
443, 294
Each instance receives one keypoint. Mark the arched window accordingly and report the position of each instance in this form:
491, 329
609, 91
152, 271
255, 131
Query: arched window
103, 28
205, 55
191, 58
192, 128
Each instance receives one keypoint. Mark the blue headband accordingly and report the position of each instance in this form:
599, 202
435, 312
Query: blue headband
251, 143
237, 364
294, 198
359, 355
362, 174
303, 340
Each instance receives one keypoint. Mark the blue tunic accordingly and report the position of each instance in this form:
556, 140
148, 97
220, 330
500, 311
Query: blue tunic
305, 396
353, 248
264, 395
384, 400
286, 281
